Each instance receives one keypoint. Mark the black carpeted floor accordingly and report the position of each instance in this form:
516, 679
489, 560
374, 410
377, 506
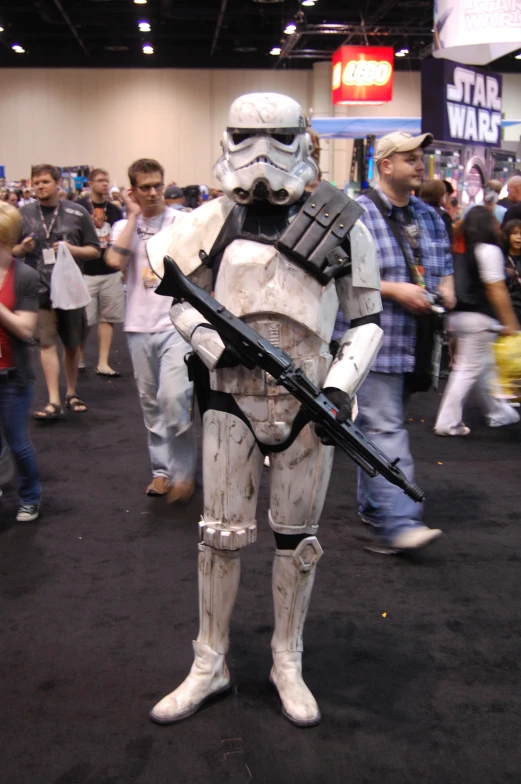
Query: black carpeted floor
415, 662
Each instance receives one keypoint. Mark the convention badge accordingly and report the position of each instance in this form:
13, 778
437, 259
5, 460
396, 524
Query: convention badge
150, 279
49, 256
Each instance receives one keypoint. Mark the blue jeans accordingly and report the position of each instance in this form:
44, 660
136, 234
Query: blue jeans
15, 404
381, 406
165, 394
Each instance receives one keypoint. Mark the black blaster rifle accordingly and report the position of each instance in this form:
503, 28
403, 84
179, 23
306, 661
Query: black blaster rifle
256, 351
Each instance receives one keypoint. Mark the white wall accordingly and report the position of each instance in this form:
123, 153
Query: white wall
108, 118
512, 105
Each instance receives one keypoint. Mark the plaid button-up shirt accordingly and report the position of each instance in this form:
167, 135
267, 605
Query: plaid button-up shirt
399, 326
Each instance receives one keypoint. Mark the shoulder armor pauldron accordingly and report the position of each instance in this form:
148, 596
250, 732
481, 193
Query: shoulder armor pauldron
315, 237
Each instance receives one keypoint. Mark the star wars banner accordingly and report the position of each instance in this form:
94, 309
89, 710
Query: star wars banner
461, 103
476, 31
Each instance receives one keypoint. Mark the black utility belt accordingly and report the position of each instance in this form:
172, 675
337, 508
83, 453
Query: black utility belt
8, 374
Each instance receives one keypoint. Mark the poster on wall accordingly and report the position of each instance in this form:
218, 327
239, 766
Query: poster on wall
476, 31
460, 103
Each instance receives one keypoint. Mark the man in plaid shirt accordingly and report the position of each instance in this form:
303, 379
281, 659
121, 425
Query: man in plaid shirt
381, 399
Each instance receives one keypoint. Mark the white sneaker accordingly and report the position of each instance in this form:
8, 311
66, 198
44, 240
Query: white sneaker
27, 513
414, 538
511, 417
461, 430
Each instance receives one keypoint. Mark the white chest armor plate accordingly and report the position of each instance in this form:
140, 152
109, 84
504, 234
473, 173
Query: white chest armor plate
257, 280
284, 304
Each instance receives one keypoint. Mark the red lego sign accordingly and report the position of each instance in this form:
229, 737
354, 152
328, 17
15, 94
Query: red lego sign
363, 74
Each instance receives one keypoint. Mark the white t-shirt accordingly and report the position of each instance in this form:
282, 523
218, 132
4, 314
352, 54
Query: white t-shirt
145, 310
491, 262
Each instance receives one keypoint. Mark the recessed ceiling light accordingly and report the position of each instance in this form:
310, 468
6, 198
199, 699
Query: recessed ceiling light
401, 53
290, 28
18, 49
144, 26
140, 2
148, 49
308, 3
1, 29
275, 50
518, 56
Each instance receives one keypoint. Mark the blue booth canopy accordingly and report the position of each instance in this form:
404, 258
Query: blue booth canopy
359, 127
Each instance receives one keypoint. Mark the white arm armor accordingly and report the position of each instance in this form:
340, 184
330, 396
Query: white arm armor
192, 327
359, 296
359, 293
357, 352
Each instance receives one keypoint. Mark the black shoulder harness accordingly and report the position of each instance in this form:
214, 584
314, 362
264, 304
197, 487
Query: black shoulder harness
310, 232
261, 222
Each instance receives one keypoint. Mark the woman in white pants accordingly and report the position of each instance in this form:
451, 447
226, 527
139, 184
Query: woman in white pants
483, 300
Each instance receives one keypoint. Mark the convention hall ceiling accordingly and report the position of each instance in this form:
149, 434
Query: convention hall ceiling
209, 33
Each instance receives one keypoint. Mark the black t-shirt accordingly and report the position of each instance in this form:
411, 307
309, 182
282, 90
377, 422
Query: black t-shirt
514, 283
513, 212
104, 215
71, 224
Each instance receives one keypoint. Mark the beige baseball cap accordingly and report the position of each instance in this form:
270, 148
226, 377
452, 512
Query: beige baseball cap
400, 142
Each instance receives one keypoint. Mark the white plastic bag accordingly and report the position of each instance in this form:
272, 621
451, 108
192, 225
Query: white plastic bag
68, 289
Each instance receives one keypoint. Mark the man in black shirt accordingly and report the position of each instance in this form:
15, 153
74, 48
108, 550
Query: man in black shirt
514, 195
105, 284
45, 223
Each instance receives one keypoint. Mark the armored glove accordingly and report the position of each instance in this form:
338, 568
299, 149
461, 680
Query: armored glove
344, 406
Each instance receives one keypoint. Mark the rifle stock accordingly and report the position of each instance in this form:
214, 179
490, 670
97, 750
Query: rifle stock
256, 351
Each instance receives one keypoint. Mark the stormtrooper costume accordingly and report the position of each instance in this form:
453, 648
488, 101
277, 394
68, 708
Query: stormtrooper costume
229, 245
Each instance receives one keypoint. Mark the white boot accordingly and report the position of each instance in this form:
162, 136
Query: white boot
209, 676
293, 578
219, 574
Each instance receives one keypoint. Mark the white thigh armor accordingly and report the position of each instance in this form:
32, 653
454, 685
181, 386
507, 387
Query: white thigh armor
232, 468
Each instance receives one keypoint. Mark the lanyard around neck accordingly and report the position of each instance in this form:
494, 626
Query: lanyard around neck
401, 235
48, 230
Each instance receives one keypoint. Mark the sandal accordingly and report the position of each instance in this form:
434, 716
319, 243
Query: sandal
75, 404
112, 374
48, 412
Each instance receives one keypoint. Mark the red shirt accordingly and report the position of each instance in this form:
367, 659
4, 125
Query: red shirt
7, 298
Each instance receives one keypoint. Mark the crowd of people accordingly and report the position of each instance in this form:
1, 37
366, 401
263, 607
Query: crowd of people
105, 230
182, 198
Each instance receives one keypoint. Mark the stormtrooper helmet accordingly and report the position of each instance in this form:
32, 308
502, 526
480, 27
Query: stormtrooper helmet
266, 151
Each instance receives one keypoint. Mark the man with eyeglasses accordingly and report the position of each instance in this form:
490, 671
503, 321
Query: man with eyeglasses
156, 349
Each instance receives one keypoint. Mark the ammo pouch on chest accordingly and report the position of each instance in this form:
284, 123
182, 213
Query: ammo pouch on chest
314, 238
